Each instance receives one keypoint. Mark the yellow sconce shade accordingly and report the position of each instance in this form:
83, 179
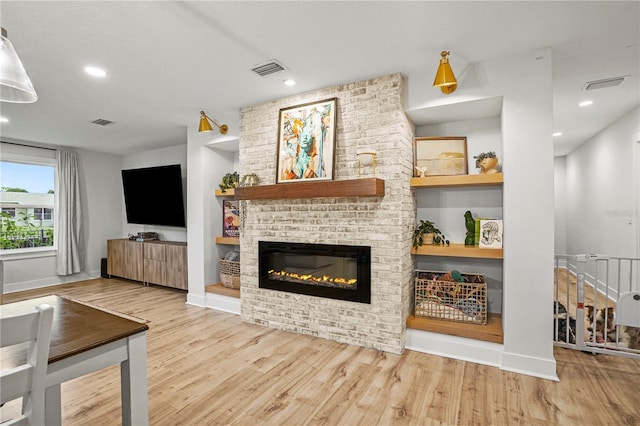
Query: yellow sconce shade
205, 124
445, 79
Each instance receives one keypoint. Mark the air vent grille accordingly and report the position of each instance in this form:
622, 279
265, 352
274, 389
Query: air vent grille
607, 82
268, 68
101, 122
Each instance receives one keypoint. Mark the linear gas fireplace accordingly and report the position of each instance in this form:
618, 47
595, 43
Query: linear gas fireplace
334, 271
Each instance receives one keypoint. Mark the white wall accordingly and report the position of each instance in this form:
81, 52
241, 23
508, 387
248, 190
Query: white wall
602, 192
525, 82
102, 219
207, 166
153, 158
560, 198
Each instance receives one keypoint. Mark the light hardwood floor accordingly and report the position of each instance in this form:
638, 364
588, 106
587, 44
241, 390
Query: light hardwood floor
208, 367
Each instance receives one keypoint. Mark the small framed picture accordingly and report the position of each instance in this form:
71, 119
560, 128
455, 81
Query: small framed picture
490, 233
230, 218
306, 142
440, 156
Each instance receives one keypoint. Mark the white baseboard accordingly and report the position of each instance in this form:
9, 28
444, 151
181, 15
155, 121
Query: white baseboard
531, 366
49, 281
471, 350
479, 352
195, 300
222, 303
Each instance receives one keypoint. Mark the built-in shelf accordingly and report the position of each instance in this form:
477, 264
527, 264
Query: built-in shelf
490, 332
457, 180
227, 193
234, 241
218, 288
230, 143
369, 187
458, 250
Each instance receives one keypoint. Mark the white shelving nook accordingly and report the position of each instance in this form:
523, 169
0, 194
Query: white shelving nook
444, 200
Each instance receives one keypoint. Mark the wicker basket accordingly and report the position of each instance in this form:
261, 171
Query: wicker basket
230, 273
450, 300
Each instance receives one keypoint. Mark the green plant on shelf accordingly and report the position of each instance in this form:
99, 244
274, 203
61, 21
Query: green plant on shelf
229, 181
427, 233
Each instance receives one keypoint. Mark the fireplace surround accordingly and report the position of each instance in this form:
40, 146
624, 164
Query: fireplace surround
339, 272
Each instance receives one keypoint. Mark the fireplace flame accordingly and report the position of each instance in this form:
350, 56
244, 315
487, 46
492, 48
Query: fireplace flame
310, 277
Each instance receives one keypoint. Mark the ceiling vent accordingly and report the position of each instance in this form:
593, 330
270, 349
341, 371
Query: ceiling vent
268, 68
101, 122
607, 82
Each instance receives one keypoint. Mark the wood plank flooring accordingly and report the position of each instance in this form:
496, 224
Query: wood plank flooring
209, 367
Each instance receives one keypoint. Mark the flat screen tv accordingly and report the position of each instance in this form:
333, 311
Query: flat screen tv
153, 196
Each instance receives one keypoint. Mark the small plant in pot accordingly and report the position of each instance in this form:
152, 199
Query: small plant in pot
427, 233
229, 181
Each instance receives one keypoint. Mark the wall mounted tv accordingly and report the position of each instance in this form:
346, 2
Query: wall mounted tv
153, 195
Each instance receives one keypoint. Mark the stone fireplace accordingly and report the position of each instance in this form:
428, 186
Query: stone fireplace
333, 271
371, 114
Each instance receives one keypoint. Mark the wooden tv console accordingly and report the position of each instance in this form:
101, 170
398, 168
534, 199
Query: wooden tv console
152, 262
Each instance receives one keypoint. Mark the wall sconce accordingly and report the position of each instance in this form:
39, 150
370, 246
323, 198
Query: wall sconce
366, 156
15, 83
205, 124
445, 79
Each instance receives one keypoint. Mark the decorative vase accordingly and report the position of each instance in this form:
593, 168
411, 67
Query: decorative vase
427, 239
488, 165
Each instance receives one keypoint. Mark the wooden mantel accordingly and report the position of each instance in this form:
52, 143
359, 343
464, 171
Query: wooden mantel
369, 187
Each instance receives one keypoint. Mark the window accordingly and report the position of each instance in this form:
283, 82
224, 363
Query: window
11, 211
27, 198
42, 213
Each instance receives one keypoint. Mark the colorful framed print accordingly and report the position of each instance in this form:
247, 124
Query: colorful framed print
440, 156
306, 142
230, 218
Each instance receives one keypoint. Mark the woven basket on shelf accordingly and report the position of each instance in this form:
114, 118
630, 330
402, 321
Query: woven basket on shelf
452, 301
230, 273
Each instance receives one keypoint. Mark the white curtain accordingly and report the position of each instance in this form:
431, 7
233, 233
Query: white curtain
69, 214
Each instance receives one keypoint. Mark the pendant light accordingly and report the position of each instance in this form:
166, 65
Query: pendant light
15, 85
445, 79
205, 124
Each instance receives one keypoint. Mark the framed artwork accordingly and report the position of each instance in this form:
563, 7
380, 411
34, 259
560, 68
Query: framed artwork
306, 142
230, 218
440, 156
491, 233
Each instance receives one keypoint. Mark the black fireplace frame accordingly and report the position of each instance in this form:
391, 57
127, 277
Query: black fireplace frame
362, 254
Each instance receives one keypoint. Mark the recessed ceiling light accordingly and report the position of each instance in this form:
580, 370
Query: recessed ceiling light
289, 82
557, 134
585, 103
4, 120
96, 72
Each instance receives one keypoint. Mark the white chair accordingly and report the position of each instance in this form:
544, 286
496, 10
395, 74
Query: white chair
27, 380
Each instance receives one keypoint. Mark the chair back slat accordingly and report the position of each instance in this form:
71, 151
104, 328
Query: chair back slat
19, 329
27, 380
15, 382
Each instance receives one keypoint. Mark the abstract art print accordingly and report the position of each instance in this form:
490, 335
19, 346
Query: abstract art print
230, 218
439, 156
306, 142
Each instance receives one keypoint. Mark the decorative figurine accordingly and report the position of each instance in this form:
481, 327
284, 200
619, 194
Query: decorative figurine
249, 180
469, 223
487, 162
422, 170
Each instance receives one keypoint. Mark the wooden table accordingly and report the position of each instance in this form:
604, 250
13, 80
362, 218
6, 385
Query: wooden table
85, 339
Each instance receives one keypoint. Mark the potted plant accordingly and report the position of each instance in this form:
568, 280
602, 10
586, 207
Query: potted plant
427, 233
487, 162
229, 181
